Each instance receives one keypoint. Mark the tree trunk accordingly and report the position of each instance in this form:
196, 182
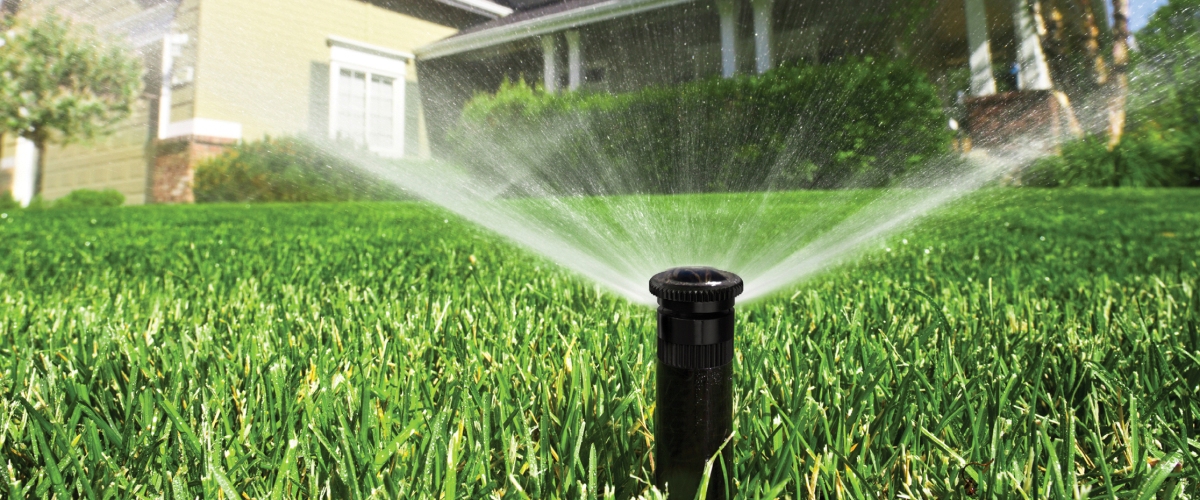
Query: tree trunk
1120, 77
9, 8
1050, 17
1092, 45
40, 166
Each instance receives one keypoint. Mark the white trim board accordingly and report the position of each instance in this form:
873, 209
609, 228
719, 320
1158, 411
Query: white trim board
338, 42
204, 127
350, 58
551, 23
172, 47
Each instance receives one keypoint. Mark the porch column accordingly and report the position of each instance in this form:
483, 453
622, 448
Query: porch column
762, 34
728, 10
574, 60
982, 81
550, 63
1033, 73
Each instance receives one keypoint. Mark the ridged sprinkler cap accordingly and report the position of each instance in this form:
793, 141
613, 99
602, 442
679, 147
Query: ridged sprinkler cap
696, 284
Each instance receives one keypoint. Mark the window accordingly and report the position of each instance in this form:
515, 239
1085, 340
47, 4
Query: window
367, 96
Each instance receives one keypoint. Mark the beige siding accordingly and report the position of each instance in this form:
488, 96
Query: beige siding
96, 12
8, 150
116, 161
264, 63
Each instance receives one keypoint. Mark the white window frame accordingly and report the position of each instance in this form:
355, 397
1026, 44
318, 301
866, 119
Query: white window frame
345, 54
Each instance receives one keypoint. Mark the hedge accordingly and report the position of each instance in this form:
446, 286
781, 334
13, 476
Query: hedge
861, 122
285, 169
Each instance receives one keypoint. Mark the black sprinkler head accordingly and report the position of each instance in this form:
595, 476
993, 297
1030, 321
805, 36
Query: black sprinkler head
694, 413
696, 285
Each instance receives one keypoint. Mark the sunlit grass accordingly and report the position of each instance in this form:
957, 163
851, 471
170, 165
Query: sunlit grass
1030, 343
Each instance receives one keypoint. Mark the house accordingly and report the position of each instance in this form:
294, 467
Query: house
220, 71
994, 51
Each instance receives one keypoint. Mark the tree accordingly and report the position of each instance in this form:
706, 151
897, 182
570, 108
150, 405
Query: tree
1092, 43
1120, 80
1168, 65
60, 82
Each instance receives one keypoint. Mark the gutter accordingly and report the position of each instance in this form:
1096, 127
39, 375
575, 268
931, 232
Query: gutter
549, 23
482, 7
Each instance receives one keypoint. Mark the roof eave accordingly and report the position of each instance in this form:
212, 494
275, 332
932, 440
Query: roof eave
549, 23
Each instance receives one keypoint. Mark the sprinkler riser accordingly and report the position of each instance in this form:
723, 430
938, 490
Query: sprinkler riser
693, 416
694, 409
695, 329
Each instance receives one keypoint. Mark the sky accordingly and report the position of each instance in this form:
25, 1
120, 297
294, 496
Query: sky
1140, 10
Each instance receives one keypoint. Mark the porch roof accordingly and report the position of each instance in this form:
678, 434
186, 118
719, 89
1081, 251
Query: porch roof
534, 22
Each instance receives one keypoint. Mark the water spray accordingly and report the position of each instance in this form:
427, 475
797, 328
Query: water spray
694, 413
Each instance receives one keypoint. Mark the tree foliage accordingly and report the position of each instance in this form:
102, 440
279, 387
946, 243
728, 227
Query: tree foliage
61, 82
1167, 78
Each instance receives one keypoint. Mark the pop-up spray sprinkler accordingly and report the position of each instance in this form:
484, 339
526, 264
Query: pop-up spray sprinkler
694, 413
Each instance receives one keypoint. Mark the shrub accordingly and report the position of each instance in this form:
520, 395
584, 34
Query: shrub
90, 198
37, 203
861, 121
287, 169
1147, 158
7, 202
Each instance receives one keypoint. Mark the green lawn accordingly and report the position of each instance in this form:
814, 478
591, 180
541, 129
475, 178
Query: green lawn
390, 350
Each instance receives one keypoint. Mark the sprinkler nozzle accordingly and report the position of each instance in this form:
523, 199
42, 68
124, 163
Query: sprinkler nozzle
694, 412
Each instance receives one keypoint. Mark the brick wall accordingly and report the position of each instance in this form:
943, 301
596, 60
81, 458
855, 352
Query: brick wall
175, 165
1016, 119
